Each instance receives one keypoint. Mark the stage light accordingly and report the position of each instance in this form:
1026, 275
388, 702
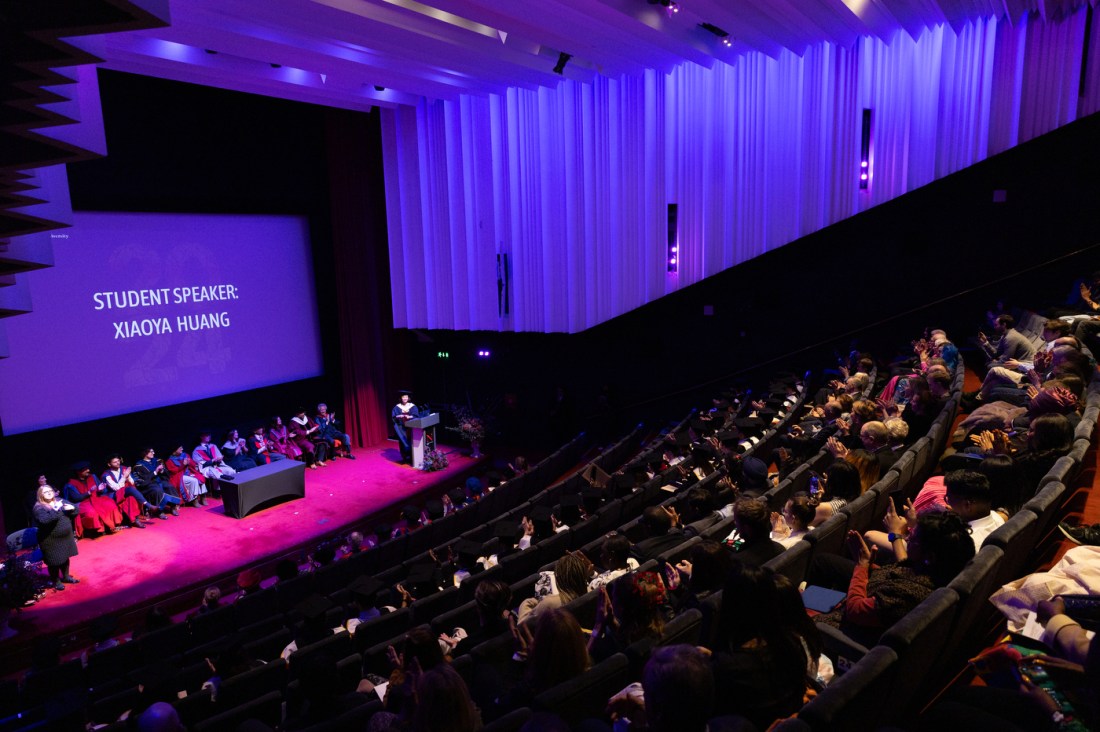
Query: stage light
563, 59
723, 35
865, 151
483, 354
672, 245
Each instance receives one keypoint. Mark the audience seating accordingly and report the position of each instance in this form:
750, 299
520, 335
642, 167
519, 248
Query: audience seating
1017, 539
854, 701
575, 699
974, 585
267, 709
919, 640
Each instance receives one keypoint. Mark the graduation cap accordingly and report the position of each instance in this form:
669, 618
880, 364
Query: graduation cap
467, 552
702, 426
314, 607
569, 509
748, 424
766, 414
80, 465
507, 530
703, 452
591, 499
727, 435
570, 499
404, 392
422, 579
540, 517
681, 439
623, 484
364, 588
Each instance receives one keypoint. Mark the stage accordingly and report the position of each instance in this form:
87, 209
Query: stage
171, 560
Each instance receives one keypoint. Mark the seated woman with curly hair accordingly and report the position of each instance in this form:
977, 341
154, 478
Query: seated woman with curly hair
939, 547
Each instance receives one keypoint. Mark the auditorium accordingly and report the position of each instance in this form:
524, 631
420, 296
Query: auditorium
572, 364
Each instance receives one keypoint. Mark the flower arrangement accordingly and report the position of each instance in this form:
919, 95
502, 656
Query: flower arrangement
470, 427
434, 460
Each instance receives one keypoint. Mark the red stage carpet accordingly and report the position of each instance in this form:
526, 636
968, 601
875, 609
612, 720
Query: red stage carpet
137, 567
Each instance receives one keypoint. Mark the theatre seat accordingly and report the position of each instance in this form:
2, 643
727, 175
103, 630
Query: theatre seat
920, 640
855, 700
576, 699
267, 709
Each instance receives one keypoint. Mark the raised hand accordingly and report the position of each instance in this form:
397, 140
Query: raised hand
859, 549
894, 523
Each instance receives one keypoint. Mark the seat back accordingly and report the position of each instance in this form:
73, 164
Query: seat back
904, 469
575, 699
974, 585
267, 709
270, 677
1047, 505
427, 608
829, 537
861, 511
794, 563
336, 646
920, 639
1017, 539
855, 701
381, 628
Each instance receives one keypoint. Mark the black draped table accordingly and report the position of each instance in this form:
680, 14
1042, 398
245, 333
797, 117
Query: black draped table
255, 486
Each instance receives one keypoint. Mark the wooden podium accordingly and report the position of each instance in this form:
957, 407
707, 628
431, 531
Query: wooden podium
423, 436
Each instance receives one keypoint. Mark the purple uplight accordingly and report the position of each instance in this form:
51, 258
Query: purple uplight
863, 176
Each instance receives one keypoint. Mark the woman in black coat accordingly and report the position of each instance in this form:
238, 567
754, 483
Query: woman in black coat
55, 535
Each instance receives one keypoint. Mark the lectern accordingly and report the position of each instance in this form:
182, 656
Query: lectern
423, 436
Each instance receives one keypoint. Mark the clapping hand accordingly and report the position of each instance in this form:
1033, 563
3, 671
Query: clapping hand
779, 525
521, 634
672, 515
836, 447
684, 568
528, 526
859, 550
889, 408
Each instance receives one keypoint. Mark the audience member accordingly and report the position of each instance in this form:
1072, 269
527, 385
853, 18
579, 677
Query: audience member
878, 596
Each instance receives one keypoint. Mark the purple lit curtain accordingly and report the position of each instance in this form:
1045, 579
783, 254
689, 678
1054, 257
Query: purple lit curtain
573, 183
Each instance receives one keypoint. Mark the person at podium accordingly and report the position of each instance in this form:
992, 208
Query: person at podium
402, 412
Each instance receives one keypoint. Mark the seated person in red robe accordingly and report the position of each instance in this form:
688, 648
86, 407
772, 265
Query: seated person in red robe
97, 512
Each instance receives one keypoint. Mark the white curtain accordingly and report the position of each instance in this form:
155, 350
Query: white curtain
573, 183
